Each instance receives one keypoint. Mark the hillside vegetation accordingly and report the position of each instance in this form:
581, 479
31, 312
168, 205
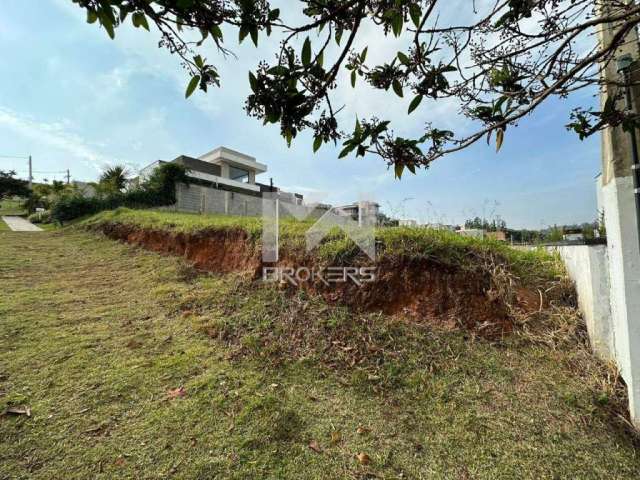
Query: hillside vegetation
444, 247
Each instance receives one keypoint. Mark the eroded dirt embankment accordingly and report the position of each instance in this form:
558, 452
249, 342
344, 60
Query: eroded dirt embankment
422, 289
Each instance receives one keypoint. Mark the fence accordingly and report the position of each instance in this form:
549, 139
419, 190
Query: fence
207, 200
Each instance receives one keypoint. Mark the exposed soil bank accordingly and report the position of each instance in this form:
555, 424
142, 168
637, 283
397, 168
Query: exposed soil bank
421, 289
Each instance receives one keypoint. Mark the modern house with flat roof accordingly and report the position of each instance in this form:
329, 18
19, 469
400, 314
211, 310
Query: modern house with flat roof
358, 210
222, 181
222, 168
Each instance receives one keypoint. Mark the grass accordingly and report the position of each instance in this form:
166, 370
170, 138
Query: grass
95, 335
11, 207
444, 247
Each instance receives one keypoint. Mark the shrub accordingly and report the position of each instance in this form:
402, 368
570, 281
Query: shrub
40, 217
159, 190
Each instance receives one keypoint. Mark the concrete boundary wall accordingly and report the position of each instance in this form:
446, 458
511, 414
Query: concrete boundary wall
588, 267
623, 244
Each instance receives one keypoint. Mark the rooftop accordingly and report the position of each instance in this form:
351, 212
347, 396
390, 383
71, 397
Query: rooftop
233, 158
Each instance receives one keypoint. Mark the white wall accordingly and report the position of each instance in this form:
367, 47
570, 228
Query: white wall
624, 273
587, 266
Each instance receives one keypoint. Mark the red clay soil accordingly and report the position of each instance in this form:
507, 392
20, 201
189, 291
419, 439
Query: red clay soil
220, 251
420, 289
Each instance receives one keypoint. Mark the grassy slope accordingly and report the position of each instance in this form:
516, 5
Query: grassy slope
443, 246
93, 334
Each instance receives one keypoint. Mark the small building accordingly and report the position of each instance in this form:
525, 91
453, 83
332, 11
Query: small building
357, 210
408, 223
573, 235
471, 232
441, 226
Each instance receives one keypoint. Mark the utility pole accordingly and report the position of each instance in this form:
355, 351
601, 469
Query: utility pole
68, 177
620, 340
30, 172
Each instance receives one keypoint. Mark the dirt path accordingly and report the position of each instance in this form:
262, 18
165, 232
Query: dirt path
19, 224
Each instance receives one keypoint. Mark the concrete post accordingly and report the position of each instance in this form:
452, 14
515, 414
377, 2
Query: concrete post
30, 173
618, 202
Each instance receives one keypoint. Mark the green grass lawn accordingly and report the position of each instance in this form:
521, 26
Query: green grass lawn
11, 207
96, 337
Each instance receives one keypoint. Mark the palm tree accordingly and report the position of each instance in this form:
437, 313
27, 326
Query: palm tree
58, 187
115, 177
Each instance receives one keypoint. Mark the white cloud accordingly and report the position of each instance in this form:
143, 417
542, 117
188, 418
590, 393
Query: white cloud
54, 135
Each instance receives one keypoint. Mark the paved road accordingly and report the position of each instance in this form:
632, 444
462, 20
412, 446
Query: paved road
19, 224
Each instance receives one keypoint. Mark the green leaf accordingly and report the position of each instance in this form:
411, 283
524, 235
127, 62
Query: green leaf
397, 87
139, 19
396, 24
416, 13
499, 139
306, 52
338, 36
399, 168
274, 14
192, 86
198, 60
108, 26
320, 59
363, 55
253, 82
216, 32
414, 103
353, 79
242, 34
346, 151
317, 143
254, 35
403, 59
278, 70
91, 16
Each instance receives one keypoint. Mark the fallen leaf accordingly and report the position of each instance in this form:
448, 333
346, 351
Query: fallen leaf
313, 445
336, 436
19, 410
119, 461
363, 458
176, 393
362, 430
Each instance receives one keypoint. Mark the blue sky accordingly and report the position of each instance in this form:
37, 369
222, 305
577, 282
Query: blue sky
75, 99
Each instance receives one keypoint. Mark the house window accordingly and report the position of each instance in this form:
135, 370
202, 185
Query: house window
239, 174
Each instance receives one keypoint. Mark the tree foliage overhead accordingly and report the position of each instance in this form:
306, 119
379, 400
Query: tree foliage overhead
498, 67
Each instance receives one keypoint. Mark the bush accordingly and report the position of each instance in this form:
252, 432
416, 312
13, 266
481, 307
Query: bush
40, 217
158, 191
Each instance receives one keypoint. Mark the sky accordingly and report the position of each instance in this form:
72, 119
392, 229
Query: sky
75, 99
